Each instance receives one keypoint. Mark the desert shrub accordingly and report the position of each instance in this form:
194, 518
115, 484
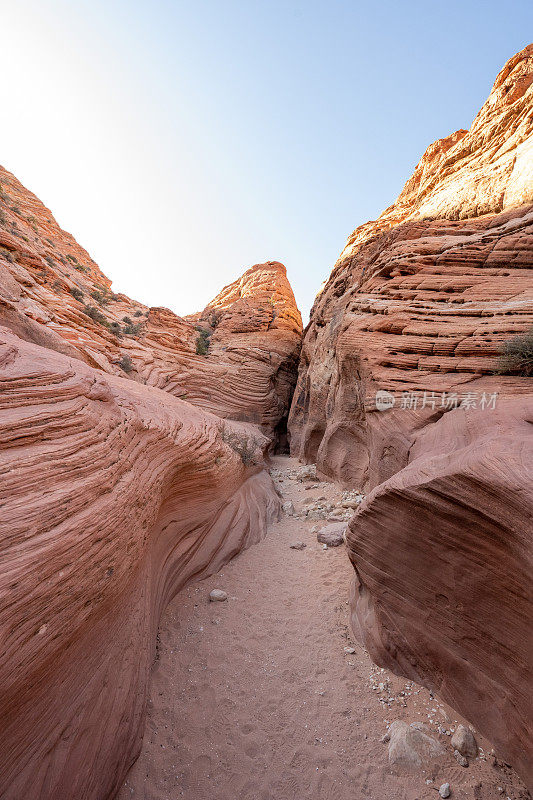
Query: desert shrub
80, 267
125, 363
517, 355
7, 254
96, 315
72, 259
76, 293
138, 313
202, 342
101, 295
127, 320
132, 330
50, 261
116, 329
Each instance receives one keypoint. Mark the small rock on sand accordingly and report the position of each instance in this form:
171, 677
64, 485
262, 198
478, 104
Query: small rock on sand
332, 535
464, 741
461, 760
297, 545
217, 594
349, 650
445, 790
288, 507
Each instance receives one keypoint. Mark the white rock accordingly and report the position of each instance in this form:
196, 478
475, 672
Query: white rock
288, 508
445, 790
349, 650
217, 594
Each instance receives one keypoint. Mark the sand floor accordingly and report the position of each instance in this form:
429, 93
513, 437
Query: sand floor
256, 699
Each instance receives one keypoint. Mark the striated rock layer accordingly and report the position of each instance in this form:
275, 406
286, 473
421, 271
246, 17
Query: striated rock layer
418, 306
422, 299
53, 294
113, 495
443, 559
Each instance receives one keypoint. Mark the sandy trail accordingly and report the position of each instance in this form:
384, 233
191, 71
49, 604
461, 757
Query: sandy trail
255, 699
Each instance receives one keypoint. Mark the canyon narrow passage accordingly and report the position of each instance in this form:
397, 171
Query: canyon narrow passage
259, 697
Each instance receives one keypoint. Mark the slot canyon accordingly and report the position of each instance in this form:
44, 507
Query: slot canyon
359, 492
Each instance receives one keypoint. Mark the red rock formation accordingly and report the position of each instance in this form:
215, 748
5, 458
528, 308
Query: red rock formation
443, 559
418, 305
52, 293
252, 331
423, 304
114, 495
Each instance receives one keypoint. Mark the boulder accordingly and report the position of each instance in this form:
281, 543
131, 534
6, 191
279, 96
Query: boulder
332, 535
464, 741
412, 748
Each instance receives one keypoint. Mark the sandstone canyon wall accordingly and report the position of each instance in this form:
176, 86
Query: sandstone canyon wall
117, 486
53, 294
114, 494
422, 299
419, 305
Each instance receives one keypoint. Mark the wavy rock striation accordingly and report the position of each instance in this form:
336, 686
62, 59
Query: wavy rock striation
238, 358
422, 299
114, 495
443, 560
418, 306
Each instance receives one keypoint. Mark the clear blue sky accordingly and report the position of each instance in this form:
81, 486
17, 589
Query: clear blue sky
181, 142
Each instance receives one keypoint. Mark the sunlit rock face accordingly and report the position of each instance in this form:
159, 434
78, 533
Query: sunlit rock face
423, 298
397, 393
113, 495
238, 358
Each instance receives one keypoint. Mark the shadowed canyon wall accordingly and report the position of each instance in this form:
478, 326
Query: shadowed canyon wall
418, 306
114, 495
117, 486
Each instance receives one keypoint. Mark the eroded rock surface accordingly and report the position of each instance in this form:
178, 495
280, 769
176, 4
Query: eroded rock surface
237, 358
417, 308
421, 300
113, 496
443, 559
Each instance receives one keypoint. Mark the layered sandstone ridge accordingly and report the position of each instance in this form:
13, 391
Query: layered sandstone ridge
417, 303
484, 170
418, 306
53, 294
114, 495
